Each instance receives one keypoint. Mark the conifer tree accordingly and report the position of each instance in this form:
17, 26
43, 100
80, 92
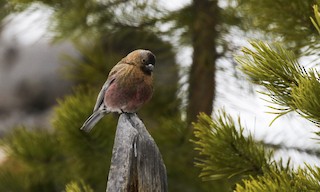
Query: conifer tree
286, 21
226, 153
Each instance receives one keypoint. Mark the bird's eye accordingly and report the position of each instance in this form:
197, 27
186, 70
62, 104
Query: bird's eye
143, 60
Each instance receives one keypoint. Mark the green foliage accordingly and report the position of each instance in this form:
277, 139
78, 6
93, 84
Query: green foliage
316, 21
78, 187
274, 68
302, 180
291, 88
225, 152
36, 161
286, 20
89, 154
88, 18
287, 83
36, 143
306, 97
92, 65
4, 11
14, 176
48, 160
179, 158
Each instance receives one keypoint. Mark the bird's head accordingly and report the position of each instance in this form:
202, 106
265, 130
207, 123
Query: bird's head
144, 59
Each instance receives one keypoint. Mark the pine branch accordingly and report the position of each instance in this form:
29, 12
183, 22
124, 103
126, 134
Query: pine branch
288, 84
316, 21
224, 151
302, 180
306, 97
274, 68
78, 187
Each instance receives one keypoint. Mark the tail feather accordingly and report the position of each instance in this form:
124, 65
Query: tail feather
92, 120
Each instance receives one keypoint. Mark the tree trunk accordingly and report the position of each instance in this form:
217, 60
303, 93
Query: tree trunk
202, 74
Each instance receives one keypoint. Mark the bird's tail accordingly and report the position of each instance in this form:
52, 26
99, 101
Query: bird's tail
92, 120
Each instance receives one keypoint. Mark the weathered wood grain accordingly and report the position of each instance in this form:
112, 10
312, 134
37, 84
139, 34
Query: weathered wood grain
136, 163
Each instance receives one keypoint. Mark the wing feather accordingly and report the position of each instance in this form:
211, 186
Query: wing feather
100, 97
119, 68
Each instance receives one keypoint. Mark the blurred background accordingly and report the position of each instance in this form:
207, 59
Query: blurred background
56, 54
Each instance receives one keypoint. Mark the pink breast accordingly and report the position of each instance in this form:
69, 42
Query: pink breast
127, 98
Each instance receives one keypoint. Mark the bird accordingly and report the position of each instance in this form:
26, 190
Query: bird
129, 85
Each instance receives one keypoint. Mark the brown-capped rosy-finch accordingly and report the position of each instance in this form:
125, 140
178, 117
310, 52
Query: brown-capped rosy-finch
128, 87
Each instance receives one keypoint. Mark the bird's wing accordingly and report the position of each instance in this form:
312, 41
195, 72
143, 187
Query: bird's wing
119, 68
100, 97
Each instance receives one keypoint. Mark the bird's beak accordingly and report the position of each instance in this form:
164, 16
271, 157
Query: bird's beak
149, 67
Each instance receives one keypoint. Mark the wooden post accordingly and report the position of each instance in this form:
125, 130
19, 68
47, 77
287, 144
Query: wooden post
136, 163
